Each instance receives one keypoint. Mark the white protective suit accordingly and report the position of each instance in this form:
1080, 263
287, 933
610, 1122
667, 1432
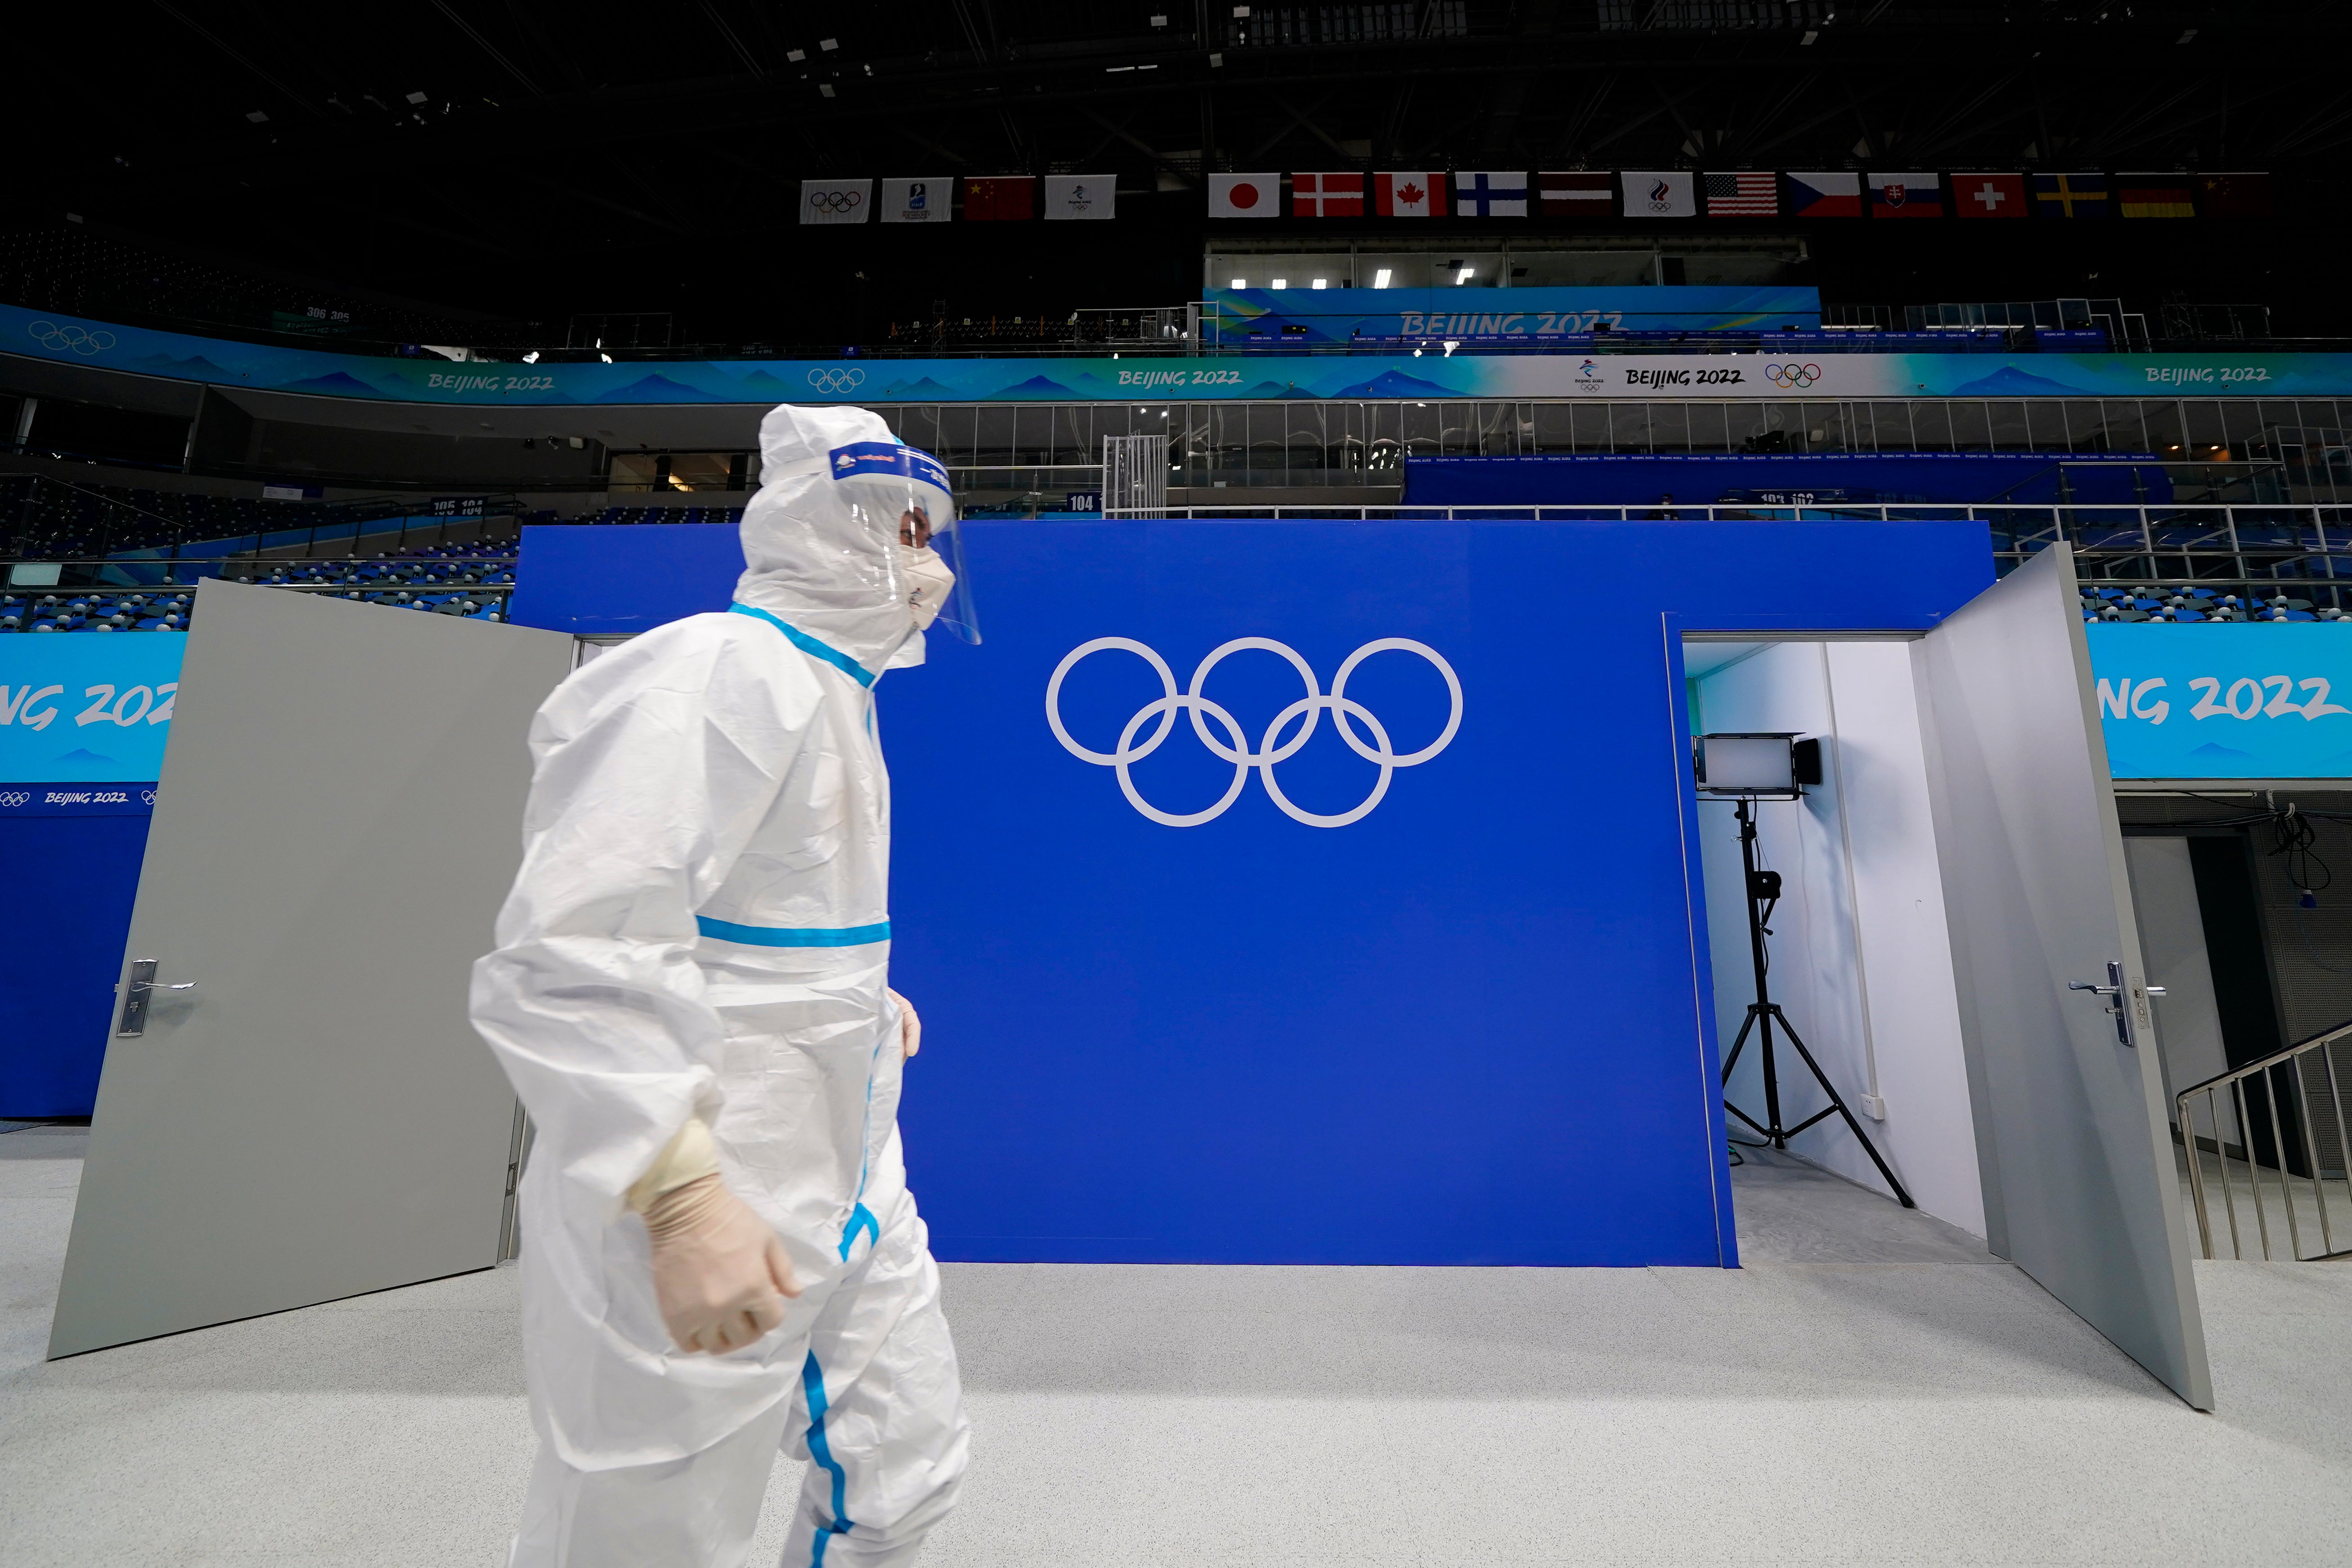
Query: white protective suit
700, 929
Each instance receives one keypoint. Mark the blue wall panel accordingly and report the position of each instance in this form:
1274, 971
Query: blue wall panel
72, 879
1704, 478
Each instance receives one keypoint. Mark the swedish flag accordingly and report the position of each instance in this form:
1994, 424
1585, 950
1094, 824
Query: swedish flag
2072, 195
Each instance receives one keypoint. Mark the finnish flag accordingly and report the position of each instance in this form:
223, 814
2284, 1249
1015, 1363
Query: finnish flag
1491, 195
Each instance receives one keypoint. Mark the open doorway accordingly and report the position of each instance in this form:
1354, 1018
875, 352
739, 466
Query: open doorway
1857, 955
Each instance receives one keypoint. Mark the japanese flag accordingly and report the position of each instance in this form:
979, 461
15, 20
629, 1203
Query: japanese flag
1245, 195
1409, 196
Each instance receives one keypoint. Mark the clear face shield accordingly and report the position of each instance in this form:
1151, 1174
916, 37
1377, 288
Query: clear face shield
903, 494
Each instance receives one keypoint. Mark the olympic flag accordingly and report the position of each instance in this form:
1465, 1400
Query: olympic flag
836, 201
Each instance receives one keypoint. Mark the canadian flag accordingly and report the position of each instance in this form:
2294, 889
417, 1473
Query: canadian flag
1409, 196
1245, 195
1327, 195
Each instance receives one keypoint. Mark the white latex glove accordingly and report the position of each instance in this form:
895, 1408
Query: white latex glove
910, 1027
721, 1274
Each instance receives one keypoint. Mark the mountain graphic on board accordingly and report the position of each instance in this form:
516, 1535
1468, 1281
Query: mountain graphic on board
83, 754
197, 368
653, 389
2010, 380
926, 387
1036, 386
2215, 749
1396, 383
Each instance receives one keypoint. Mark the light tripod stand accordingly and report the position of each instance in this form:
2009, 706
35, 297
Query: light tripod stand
1764, 1015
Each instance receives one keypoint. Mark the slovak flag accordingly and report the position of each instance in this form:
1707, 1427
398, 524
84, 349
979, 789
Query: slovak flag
1245, 195
1491, 195
1327, 195
1991, 196
1411, 195
1827, 192
1907, 196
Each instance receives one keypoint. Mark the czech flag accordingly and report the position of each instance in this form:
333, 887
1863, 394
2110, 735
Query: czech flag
1827, 193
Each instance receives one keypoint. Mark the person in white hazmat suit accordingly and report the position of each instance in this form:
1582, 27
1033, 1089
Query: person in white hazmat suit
689, 993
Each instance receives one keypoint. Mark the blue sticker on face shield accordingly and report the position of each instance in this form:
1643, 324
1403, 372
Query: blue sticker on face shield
885, 457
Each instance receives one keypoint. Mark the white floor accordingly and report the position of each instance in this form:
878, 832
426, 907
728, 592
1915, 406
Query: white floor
1869, 1389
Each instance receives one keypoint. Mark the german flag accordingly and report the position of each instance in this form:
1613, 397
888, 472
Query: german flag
2155, 196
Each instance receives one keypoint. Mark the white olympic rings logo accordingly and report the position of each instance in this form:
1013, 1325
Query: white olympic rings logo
50, 335
1795, 377
1310, 707
146, 797
825, 380
14, 798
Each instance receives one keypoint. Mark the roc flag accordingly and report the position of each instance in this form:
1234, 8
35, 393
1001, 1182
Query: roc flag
1491, 195
1990, 196
836, 201
2154, 196
1577, 194
1070, 197
1409, 196
1827, 193
1743, 194
1245, 195
2071, 195
1664, 192
2234, 196
1327, 195
1002, 199
1907, 196
916, 201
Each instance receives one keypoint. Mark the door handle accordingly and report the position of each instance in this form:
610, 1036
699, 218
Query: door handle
2130, 1003
136, 991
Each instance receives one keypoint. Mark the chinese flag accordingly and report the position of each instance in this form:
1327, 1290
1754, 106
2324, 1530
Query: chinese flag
1000, 196
2234, 196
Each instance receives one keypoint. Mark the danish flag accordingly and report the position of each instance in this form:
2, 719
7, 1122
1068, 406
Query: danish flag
1409, 196
1327, 195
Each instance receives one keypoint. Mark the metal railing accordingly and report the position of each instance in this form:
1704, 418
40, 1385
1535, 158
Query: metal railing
1135, 475
2261, 1120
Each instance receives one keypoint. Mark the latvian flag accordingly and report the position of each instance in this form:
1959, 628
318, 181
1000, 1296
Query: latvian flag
1827, 193
1491, 195
1990, 196
1907, 196
1409, 196
1577, 194
1327, 195
1743, 194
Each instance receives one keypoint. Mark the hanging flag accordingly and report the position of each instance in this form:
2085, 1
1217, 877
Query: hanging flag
1409, 196
1245, 195
1990, 196
999, 198
1831, 193
836, 201
1743, 194
1577, 194
1491, 195
2071, 195
1073, 197
1907, 196
1327, 195
2234, 196
927, 200
1666, 192
2154, 196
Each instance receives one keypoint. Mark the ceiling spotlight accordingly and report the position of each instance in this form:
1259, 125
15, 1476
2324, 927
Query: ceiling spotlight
1380, 279
796, 55
1464, 276
1281, 283
606, 358
531, 358
257, 117
1159, 21
828, 45
1240, 282
1317, 284
416, 98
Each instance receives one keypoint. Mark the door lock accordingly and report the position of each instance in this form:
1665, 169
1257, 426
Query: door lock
135, 994
2129, 1009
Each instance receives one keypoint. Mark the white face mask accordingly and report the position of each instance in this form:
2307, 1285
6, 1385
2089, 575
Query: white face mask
929, 578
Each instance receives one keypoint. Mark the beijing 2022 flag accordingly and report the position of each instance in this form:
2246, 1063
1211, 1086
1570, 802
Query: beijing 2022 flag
1080, 196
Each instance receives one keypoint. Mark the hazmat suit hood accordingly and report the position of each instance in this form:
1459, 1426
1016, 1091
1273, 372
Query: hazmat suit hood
821, 539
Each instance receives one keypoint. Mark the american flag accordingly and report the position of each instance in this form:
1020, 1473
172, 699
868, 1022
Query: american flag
1743, 194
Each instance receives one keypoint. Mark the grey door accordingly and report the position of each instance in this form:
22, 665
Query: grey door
337, 825
2079, 1180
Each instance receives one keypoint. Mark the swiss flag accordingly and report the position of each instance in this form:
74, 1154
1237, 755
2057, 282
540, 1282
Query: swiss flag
1327, 195
1991, 196
1409, 196
1245, 195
